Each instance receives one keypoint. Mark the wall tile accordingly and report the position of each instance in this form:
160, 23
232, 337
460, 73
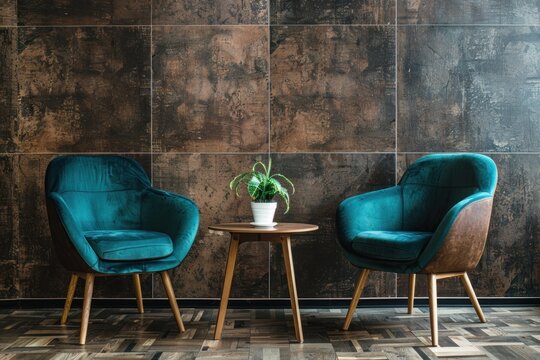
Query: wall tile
74, 12
9, 246
468, 89
8, 88
40, 273
8, 12
509, 266
9, 279
469, 12
332, 88
205, 178
9, 215
210, 89
84, 89
206, 12
332, 12
322, 181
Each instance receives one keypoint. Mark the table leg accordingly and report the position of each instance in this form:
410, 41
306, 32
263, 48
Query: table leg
289, 269
227, 282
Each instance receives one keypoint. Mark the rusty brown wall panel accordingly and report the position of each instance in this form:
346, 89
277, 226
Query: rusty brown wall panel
205, 179
469, 12
210, 89
75, 76
207, 12
9, 243
8, 12
40, 274
468, 88
77, 12
509, 266
84, 89
332, 88
8, 88
322, 182
332, 11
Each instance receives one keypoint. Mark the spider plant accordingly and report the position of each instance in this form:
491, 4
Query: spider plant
263, 186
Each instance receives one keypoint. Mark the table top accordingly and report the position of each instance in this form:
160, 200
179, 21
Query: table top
280, 228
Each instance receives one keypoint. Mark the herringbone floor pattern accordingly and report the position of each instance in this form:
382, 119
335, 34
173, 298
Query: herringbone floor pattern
378, 333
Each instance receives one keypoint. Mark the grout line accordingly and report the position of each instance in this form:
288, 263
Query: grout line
396, 99
267, 25
151, 116
60, 26
395, 114
468, 25
273, 153
269, 138
329, 24
479, 152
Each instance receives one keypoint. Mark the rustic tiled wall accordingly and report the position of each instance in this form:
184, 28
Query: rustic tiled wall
342, 94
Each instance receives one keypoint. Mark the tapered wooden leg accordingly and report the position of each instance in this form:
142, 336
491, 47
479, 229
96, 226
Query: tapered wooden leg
360, 284
227, 282
472, 296
289, 269
432, 284
87, 303
138, 292
69, 298
412, 285
172, 300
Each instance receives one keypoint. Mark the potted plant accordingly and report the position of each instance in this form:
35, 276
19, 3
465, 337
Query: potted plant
263, 187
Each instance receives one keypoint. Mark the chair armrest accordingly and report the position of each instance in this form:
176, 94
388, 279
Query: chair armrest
172, 214
376, 210
60, 214
459, 240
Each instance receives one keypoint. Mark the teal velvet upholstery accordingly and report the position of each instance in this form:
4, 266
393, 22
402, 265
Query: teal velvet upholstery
400, 229
390, 245
105, 217
129, 245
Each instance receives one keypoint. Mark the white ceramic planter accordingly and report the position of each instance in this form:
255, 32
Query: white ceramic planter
263, 213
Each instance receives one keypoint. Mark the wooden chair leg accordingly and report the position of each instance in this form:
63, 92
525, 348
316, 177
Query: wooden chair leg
360, 284
172, 300
87, 302
69, 298
472, 296
432, 284
138, 292
227, 283
412, 285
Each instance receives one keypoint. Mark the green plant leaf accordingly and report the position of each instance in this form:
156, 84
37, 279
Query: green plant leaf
254, 169
254, 187
262, 186
286, 180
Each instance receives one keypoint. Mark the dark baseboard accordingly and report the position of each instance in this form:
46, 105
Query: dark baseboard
269, 303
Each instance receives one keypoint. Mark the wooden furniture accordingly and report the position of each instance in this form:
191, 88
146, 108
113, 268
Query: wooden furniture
434, 222
107, 220
241, 233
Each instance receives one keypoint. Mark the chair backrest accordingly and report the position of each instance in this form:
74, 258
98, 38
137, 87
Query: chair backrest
102, 192
435, 183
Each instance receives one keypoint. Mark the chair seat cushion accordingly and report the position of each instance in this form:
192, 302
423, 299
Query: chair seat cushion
129, 245
390, 245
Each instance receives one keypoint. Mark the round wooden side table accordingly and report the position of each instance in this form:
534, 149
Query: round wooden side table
243, 232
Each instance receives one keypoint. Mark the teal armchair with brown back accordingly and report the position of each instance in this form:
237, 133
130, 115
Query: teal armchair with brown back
106, 219
435, 221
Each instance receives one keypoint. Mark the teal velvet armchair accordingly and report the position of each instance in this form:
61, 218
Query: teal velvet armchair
106, 219
435, 221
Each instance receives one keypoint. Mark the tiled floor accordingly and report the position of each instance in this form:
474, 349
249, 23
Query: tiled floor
378, 333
